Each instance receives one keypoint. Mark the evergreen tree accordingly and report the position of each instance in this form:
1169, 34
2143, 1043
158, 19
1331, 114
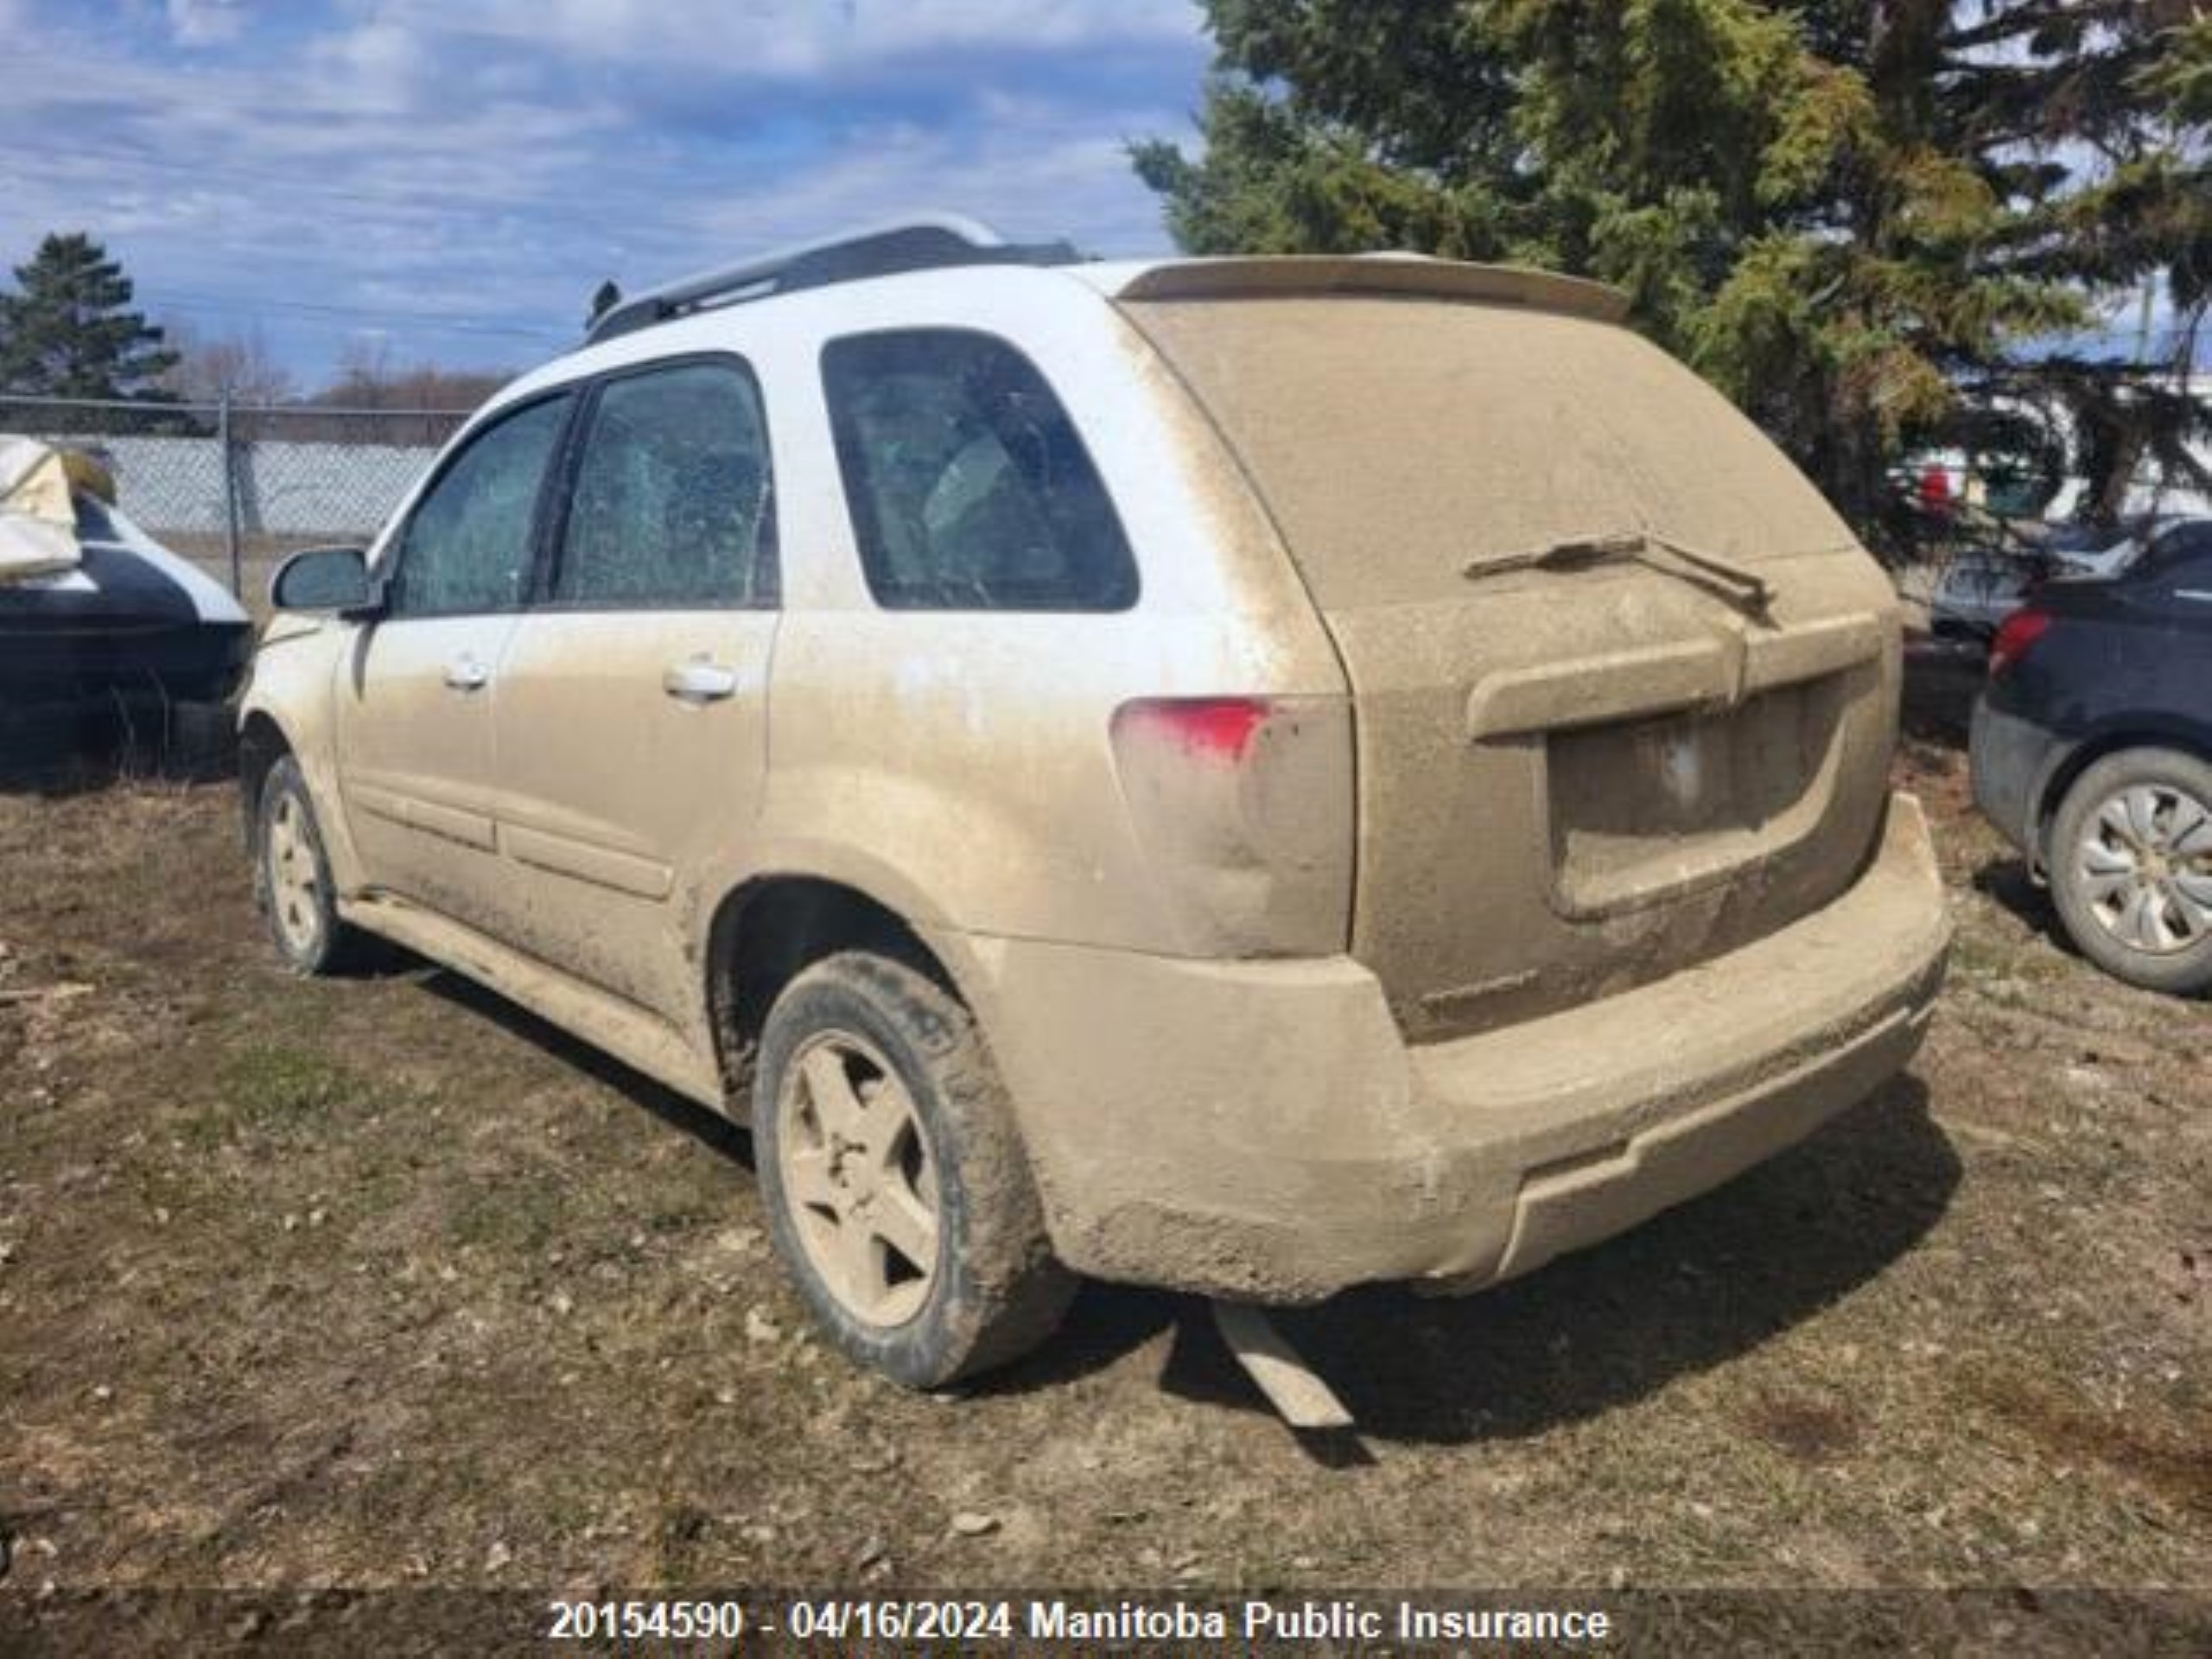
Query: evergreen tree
1851, 214
68, 331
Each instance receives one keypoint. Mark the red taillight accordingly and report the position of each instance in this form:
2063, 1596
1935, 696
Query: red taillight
1244, 806
1222, 727
2015, 635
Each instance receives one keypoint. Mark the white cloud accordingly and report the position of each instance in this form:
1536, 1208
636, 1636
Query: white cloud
206, 22
383, 64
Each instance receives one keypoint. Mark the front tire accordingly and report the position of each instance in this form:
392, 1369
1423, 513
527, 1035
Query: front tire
2131, 868
292, 877
897, 1189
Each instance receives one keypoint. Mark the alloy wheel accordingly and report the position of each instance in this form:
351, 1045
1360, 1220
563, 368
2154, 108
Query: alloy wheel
859, 1177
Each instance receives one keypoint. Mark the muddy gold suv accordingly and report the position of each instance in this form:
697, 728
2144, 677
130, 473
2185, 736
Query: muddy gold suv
1253, 775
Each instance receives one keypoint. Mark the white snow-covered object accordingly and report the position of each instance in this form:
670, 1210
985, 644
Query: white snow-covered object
38, 518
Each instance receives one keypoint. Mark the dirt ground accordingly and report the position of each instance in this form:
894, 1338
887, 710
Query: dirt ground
380, 1281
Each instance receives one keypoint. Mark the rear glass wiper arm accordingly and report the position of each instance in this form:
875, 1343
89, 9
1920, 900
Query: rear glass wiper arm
1746, 586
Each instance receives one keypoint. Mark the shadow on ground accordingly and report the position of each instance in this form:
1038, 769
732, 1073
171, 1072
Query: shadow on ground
687, 1116
1692, 1289
2005, 882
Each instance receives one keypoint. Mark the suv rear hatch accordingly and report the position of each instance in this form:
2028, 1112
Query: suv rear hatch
1625, 687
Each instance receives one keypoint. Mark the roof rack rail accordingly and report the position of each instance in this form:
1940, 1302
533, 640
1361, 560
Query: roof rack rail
926, 242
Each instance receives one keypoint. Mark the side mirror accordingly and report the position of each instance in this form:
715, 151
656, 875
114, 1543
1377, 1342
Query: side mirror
324, 579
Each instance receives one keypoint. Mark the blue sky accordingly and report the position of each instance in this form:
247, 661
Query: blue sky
452, 180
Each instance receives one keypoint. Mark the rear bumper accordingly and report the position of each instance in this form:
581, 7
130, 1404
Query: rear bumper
1259, 1130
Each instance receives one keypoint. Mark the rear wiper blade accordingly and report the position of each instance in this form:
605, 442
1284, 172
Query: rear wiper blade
1745, 586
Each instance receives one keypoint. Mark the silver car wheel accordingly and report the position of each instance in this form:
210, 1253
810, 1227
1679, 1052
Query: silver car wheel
2145, 867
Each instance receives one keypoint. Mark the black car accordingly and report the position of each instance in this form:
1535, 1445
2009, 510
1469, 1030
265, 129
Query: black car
2092, 753
132, 622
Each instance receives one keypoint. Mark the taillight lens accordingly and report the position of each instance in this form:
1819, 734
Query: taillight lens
2015, 635
1245, 805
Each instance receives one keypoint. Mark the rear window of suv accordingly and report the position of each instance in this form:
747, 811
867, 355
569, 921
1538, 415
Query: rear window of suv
968, 486
1395, 441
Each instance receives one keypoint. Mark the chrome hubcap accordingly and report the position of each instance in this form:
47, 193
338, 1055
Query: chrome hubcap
293, 887
2145, 866
858, 1175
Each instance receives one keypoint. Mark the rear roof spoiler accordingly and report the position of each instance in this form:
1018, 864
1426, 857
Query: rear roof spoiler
1373, 273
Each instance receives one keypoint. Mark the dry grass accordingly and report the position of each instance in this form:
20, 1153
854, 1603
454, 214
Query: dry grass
379, 1282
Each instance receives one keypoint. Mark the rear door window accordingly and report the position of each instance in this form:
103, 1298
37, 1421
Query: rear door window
671, 504
968, 486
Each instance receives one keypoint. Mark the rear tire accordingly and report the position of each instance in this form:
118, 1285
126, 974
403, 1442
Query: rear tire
897, 1189
2131, 868
291, 877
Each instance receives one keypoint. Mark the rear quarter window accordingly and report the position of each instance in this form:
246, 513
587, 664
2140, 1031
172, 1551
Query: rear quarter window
968, 486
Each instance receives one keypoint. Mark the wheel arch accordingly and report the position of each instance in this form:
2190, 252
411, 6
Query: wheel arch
772, 927
2144, 731
262, 743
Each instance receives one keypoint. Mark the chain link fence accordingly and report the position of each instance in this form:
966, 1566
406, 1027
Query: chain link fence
235, 486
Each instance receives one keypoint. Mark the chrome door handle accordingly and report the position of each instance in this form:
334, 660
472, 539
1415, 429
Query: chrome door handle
699, 680
466, 674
